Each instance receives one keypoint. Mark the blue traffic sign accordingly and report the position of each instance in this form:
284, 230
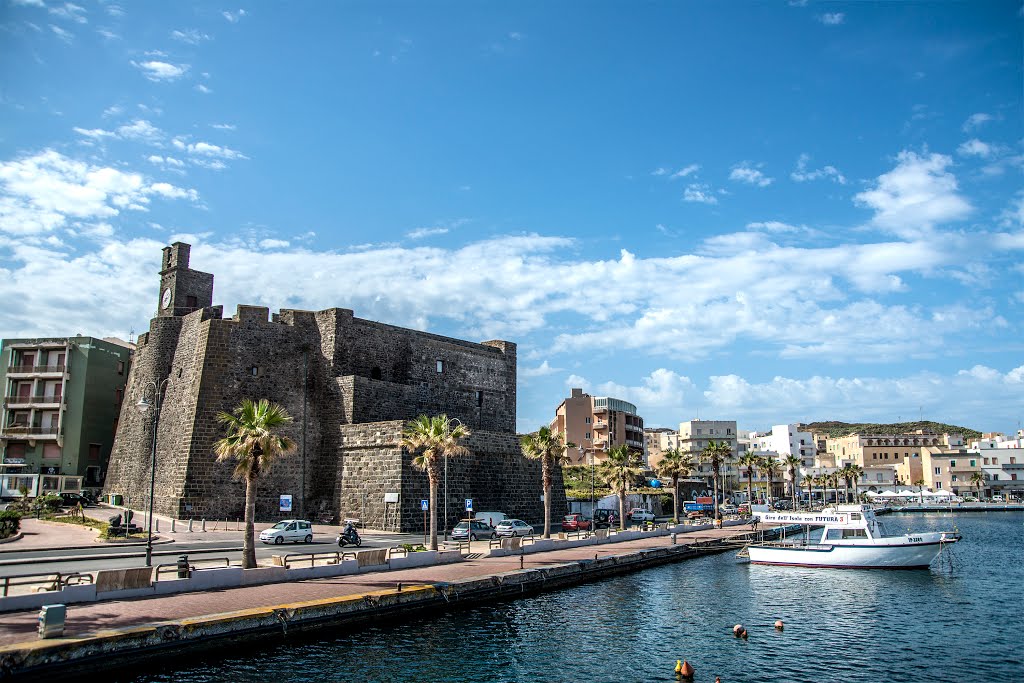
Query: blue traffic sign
424, 505
469, 505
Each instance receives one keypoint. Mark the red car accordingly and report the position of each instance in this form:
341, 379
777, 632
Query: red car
576, 522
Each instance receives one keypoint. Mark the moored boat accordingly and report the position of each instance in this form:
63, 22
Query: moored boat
851, 538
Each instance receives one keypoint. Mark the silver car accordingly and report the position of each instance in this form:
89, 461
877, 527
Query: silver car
480, 529
513, 527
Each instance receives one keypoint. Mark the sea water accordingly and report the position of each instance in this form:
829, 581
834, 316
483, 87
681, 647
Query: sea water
960, 621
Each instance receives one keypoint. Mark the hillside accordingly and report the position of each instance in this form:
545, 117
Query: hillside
834, 429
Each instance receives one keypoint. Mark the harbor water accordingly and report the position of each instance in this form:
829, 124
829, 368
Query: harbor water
959, 621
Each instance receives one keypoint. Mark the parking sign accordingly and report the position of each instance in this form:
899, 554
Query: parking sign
424, 505
469, 505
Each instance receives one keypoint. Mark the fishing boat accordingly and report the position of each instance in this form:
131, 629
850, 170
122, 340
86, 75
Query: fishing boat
851, 538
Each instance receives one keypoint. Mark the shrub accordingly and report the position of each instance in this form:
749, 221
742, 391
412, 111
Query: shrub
10, 523
48, 503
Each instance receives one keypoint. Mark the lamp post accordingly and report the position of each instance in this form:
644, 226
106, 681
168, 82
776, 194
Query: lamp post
143, 405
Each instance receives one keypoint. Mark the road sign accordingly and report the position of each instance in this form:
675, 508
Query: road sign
286, 503
424, 505
469, 505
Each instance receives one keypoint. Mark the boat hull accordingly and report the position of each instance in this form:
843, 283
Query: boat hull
848, 556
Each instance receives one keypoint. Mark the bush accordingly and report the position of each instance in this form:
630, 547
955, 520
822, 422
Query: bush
10, 523
49, 503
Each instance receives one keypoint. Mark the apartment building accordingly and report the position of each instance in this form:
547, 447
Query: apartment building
869, 450
596, 424
61, 401
949, 470
694, 436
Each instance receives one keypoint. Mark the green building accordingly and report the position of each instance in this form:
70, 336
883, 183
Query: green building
61, 402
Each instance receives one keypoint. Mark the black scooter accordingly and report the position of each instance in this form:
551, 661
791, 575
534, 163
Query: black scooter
349, 535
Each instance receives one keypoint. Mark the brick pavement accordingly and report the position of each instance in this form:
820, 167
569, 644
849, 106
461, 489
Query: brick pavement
87, 618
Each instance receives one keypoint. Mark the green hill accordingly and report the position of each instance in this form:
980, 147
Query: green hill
835, 429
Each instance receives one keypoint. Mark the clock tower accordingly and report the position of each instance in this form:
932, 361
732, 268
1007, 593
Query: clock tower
182, 290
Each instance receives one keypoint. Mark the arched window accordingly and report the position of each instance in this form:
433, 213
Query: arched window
375, 373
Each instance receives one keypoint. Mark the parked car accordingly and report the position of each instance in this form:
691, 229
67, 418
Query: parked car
476, 530
969, 499
513, 527
640, 515
998, 498
72, 499
783, 504
294, 530
576, 522
605, 518
728, 509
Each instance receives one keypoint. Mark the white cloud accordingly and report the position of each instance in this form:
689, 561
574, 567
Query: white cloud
234, 17
744, 172
274, 244
69, 12
139, 130
113, 110
975, 148
191, 36
165, 161
976, 121
47, 191
914, 197
66, 36
801, 174
683, 172
161, 71
420, 233
832, 18
542, 370
203, 89
205, 149
28, 3
223, 126
661, 390
699, 192
774, 226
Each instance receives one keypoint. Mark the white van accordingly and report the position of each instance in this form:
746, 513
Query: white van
294, 530
492, 518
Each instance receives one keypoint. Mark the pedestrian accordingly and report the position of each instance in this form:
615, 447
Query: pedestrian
753, 523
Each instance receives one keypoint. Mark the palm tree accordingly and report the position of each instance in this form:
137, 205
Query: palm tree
716, 452
793, 463
833, 481
748, 461
810, 490
550, 449
432, 439
675, 463
920, 488
252, 440
770, 466
620, 467
976, 481
851, 473
821, 481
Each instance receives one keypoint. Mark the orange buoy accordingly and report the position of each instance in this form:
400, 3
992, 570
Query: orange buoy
779, 625
718, 679
743, 634
686, 671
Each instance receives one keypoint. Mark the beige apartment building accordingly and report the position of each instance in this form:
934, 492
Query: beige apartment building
596, 424
872, 450
949, 470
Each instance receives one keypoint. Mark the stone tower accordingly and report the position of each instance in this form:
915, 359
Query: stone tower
182, 290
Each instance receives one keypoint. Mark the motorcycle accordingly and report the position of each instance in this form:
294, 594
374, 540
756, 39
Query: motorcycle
349, 535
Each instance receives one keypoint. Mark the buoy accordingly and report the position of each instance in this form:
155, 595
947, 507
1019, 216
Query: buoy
737, 630
686, 671
743, 634
779, 625
718, 679
679, 666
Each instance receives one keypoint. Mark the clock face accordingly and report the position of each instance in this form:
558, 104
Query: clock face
166, 301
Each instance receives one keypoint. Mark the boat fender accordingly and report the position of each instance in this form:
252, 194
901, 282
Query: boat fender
737, 630
779, 625
743, 634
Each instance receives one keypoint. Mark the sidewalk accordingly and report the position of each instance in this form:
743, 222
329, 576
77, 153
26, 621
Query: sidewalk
91, 618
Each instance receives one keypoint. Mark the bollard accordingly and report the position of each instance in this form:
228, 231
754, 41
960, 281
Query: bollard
204, 524
156, 526
184, 571
172, 525
673, 534
190, 524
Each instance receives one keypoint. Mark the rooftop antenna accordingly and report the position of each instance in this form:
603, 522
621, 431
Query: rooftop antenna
131, 336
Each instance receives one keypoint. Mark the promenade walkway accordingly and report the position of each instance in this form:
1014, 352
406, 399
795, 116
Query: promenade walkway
90, 618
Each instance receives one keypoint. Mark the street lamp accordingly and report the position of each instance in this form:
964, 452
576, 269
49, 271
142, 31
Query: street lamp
143, 405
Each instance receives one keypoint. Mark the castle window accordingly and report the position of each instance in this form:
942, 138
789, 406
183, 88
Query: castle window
191, 303
375, 373
440, 366
120, 367
254, 371
479, 399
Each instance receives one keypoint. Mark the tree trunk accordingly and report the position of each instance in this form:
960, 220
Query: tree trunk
714, 494
622, 509
545, 466
432, 480
249, 541
675, 499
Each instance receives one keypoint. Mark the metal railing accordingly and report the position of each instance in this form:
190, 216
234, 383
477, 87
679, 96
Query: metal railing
335, 557
48, 581
172, 567
34, 398
22, 369
18, 428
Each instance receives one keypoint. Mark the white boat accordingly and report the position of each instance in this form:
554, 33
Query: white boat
852, 538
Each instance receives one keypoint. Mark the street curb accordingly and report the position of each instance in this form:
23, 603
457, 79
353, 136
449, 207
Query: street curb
133, 544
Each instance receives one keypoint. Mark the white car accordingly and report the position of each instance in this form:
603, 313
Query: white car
640, 515
728, 509
513, 527
294, 530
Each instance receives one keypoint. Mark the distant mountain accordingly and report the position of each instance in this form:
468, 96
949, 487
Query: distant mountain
835, 429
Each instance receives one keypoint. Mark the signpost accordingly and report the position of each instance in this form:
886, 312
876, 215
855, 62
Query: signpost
469, 521
424, 505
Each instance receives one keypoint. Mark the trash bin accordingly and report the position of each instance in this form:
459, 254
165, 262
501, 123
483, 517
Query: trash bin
116, 499
184, 571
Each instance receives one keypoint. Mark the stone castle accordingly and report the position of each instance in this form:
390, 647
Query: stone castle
350, 385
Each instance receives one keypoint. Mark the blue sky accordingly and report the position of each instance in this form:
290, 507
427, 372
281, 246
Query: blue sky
767, 212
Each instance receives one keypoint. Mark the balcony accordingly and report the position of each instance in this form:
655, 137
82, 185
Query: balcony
600, 424
30, 431
26, 401
57, 368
